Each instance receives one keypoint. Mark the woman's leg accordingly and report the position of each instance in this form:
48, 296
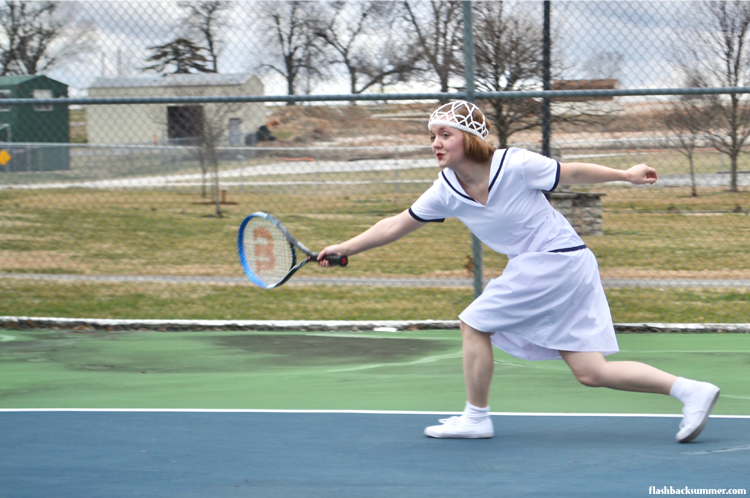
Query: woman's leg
698, 398
479, 365
592, 369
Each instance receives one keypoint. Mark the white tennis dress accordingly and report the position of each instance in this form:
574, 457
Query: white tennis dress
550, 296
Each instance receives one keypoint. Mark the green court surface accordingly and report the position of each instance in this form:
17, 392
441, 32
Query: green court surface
413, 370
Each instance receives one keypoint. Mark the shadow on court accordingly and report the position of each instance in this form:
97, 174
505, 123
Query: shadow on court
217, 454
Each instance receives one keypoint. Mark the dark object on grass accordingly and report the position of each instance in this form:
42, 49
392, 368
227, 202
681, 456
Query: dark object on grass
264, 134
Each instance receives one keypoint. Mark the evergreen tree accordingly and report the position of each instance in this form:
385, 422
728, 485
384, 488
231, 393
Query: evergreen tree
180, 56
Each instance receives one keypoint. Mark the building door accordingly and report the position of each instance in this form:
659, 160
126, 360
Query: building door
235, 132
185, 124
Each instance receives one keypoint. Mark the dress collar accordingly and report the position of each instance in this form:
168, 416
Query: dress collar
449, 178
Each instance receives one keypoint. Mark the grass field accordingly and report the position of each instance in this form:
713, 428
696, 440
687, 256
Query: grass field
166, 233
417, 370
648, 233
247, 302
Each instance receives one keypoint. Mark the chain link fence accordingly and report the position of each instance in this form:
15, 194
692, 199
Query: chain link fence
104, 200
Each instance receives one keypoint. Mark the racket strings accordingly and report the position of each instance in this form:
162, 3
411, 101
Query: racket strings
268, 253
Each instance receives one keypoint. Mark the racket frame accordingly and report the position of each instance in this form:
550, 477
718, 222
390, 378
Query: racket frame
293, 243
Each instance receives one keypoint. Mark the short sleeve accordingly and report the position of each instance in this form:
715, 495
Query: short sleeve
429, 208
540, 172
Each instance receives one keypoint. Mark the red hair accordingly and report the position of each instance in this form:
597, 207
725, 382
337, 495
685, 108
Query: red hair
475, 148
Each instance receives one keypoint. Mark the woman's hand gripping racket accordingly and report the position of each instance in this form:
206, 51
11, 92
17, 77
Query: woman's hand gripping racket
268, 252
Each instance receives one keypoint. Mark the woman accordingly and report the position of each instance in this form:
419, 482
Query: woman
549, 302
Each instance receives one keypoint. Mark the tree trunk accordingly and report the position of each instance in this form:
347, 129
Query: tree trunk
202, 161
217, 188
692, 175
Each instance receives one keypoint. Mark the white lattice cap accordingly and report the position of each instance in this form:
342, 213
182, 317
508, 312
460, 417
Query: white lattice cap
449, 115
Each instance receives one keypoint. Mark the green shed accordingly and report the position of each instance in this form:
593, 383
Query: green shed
28, 132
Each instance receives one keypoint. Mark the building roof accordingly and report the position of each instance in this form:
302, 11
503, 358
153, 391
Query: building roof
603, 84
174, 80
19, 79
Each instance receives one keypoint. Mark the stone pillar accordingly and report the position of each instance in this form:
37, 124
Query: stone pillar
582, 209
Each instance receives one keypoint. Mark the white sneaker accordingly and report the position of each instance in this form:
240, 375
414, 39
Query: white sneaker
696, 411
461, 428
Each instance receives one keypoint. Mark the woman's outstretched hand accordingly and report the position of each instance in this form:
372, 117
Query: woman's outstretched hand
333, 250
641, 174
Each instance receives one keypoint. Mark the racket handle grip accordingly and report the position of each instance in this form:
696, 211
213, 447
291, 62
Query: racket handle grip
335, 260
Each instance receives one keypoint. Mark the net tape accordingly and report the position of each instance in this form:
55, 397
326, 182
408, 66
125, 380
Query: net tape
448, 115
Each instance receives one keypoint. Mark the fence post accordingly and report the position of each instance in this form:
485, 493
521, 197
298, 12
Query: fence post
546, 75
476, 246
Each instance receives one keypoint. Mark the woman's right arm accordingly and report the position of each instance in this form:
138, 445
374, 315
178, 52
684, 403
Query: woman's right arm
381, 233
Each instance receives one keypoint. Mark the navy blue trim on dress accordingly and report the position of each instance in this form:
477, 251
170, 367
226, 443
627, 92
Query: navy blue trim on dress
437, 220
455, 190
502, 161
557, 178
570, 249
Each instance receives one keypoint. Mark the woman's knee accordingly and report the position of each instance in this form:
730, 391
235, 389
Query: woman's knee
588, 368
589, 378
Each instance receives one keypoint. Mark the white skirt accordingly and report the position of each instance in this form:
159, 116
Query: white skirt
543, 303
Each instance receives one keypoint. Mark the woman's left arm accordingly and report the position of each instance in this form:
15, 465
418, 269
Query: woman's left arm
579, 173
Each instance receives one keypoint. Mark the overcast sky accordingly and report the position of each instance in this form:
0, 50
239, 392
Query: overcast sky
640, 34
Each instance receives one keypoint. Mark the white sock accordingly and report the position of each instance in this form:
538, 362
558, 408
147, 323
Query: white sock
683, 389
476, 414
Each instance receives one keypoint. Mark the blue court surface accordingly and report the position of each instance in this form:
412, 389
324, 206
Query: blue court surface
135, 453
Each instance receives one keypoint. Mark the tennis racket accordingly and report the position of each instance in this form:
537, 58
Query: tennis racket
268, 252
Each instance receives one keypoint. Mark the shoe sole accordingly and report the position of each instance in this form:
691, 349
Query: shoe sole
699, 429
481, 435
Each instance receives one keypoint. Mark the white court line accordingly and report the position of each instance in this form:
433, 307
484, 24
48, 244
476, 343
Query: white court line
529, 365
685, 351
353, 412
428, 359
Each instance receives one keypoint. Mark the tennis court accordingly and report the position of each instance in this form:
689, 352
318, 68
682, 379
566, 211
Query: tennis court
240, 413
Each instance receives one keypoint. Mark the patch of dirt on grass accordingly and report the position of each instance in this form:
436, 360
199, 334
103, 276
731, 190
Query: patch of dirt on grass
314, 350
41, 260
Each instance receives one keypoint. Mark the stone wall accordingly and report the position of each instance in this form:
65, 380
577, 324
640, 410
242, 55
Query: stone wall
582, 210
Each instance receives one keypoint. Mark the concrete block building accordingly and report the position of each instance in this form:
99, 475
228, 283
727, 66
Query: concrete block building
174, 123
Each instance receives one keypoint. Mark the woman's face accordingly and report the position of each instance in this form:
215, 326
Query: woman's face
447, 145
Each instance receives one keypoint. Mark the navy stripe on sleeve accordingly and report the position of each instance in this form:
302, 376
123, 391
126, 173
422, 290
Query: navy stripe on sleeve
413, 215
557, 178
570, 249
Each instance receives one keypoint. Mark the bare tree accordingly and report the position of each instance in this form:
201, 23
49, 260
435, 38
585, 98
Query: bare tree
180, 56
508, 53
720, 56
293, 52
438, 26
360, 36
215, 130
687, 120
207, 19
201, 128
37, 36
